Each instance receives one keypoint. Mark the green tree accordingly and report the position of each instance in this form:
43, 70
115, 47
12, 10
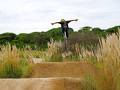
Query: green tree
56, 33
113, 30
7, 38
85, 29
99, 32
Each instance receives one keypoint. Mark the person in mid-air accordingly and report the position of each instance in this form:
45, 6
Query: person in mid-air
64, 26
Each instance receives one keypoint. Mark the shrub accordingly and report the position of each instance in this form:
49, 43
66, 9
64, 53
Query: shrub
12, 65
10, 69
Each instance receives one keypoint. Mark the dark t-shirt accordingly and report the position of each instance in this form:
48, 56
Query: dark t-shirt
64, 25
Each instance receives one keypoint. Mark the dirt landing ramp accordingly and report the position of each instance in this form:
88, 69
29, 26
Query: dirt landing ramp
41, 84
63, 69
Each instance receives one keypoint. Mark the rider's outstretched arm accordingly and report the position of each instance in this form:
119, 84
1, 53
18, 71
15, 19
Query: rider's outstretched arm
55, 23
72, 20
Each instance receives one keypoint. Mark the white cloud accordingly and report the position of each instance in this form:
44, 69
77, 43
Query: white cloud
36, 15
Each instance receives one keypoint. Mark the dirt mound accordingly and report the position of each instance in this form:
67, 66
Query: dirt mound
63, 69
41, 84
52, 76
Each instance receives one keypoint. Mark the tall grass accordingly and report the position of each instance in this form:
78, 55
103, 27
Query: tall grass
12, 65
108, 61
52, 54
109, 55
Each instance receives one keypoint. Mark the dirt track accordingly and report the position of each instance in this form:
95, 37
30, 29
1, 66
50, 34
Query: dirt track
63, 69
40, 84
52, 76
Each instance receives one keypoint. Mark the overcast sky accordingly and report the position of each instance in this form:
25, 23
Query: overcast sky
25, 16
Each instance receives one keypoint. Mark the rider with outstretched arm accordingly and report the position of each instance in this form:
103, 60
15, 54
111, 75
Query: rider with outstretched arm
64, 25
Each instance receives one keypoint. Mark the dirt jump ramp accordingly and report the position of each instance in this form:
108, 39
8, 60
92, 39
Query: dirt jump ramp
63, 69
41, 84
52, 76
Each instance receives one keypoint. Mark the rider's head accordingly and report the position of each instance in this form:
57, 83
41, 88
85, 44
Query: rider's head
62, 20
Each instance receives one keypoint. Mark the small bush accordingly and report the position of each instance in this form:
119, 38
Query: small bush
14, 69
12, 65
10, 69
56, 58
89, 83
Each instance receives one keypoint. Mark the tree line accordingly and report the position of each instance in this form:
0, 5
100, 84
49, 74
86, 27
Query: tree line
38, 40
